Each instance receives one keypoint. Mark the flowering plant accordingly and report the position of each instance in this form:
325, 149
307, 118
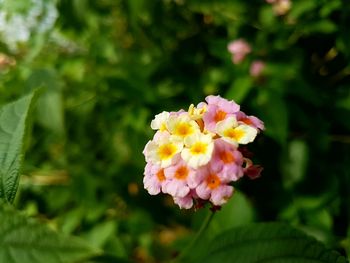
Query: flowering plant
195, 155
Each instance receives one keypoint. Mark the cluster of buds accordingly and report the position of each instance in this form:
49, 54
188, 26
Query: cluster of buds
239, 49
195, 155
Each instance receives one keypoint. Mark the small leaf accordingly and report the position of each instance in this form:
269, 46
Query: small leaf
295, 164
239, 89
13, 118
323, 26
27, 240
268, 242
274, 112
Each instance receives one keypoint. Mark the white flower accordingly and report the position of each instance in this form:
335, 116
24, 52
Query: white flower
162, 149
198, 149
160, 120
182, 126
235, 134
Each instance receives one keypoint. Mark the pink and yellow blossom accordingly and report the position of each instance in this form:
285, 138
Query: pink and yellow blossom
218, 109
194, 155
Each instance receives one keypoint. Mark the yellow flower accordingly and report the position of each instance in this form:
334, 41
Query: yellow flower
196, 113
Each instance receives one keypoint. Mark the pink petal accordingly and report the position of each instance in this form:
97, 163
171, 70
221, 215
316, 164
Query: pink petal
220, 195
203, 191
184, 202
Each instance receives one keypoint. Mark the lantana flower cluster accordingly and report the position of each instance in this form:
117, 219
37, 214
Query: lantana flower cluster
196, 155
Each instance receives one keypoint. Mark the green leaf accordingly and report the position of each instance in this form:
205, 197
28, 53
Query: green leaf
270, 243
274, 112
236, 212
50, 110
13, 118
239, 89
27, 240
100, 234
301, 8
295, 163
323, 26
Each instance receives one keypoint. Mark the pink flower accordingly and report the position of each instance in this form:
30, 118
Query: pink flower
180, 179
214, 186
256, 68
185, 202
250, 120
218, 109
227, 160
154, 179
239, 49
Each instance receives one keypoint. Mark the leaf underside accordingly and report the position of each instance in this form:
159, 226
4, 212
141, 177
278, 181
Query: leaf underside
268, 243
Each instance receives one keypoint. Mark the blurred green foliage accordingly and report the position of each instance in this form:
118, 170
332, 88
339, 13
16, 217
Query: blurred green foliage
107, 67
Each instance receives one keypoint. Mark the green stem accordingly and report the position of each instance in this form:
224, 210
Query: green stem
194, 241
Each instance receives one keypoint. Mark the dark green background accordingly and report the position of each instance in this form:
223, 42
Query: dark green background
107, 67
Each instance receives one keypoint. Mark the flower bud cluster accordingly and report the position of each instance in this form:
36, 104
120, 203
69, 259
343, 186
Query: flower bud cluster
195, 155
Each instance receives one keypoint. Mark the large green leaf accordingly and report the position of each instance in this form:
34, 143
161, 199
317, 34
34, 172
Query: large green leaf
50, 113
13, 118
268, 243
25, 240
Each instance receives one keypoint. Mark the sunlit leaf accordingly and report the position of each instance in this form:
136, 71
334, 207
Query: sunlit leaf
13, 119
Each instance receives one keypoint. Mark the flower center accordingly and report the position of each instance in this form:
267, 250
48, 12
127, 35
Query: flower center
160, 175
166, 151
199, 148
234, 134
181, 173
213, 181
226, 157
183, 129
163, 127
220, 115
247, 121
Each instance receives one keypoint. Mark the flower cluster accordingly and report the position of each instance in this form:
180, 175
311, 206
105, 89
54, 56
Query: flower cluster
195, 155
